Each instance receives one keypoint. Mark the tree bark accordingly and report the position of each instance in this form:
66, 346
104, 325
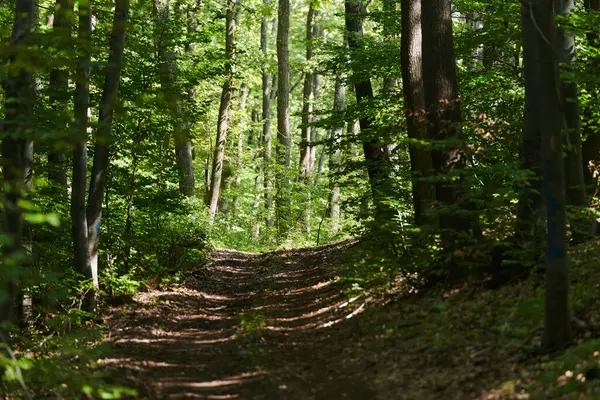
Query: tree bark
307, 101
283, 200
528, 229
591, 149
374, 148
335, 159
104, 133
444, 117
538, 21
168, 79
239, 159
224, 111
390, 84
19, 103
266, 118
316, 88
414, 101
81, 102
583, 225
58, 87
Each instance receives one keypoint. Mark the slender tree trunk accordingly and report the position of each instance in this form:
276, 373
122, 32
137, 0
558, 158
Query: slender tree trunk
81, 102
373, 146
19, 104
224, 111
313, 129
390, 84
59, 95
283, 119
104, 133
335, 159
258, 182
538, 20
168, 79
239, 161
266, 118
316, 86
444, 117
307, 100
583, 225
414, 101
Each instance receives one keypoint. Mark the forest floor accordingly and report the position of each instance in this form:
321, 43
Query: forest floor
282, 325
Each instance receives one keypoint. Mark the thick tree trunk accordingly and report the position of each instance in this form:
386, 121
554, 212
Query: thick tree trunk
80, 135
444, 117
19, 103
283, 119
591, 148
373, 146
104, 133
335, 159
224, 112
528, 229
414, 102
538, 20
266, 118
583, 225
58, 87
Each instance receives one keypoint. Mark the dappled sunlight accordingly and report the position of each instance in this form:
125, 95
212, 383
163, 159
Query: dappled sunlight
208, 333
228, 381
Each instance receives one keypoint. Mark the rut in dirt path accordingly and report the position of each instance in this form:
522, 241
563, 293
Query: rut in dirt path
245, 326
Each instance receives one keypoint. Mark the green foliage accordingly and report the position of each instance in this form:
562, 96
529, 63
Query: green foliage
64, 366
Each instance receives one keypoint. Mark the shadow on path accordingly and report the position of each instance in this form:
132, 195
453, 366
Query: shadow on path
246, 326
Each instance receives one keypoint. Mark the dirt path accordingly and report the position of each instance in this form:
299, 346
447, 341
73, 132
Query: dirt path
245, 326
280, 326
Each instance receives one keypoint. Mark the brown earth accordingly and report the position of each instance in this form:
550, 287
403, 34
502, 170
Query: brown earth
281, 326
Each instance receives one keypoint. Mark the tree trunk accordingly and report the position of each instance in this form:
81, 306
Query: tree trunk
528, 229
258, 183
283, 119
104, 133
374, 149
81, 102
538, 21
239, 159
335, 159
445, 125
389, 83
591, 149
266, 118
168, 80
58, 87
313, 129
224, 111
316, 87
307, 101
414, 104
19, 103
583, 225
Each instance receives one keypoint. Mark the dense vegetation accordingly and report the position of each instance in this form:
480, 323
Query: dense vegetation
458, 141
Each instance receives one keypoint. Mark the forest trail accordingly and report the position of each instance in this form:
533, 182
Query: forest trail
280, 326
245, 326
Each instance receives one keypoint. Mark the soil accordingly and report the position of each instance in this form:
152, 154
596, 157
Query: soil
282, 326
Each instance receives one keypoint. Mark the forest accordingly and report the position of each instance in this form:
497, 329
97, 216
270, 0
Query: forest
300, 199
